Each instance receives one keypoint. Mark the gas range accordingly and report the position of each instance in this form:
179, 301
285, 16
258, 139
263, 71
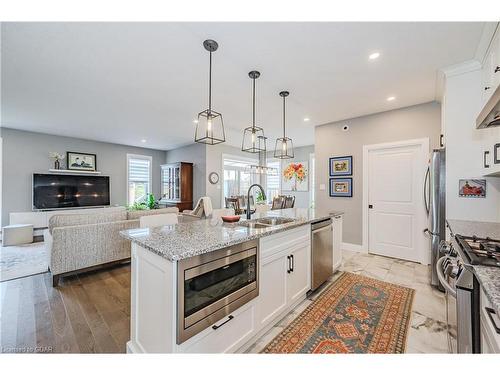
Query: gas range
479, 251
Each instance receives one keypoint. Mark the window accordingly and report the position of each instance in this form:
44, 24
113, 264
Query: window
138, 177
273, 187
237, 178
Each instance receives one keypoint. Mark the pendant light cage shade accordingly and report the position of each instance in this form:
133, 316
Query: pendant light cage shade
210, 128
254, 140
283, 148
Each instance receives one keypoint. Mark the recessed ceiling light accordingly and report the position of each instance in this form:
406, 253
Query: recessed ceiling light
374, 55
143, 140
391, 98
306, 119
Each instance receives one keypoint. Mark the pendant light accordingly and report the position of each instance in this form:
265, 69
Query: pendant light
261, 168
210, 127
254, 140
284, 146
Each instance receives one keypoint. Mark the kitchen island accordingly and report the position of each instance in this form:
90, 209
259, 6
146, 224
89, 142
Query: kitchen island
207, 286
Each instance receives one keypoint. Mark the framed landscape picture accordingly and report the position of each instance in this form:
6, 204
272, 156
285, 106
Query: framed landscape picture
472, 188
341, 187
341, 166
79, 161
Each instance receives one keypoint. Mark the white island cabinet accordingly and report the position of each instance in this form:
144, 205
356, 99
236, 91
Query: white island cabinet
284, 278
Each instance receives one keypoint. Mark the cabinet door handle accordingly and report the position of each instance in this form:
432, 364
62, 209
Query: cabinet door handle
441, 140
293, 263
487, 88
486, 165
289, 267
497, 69
490, 313
224, 322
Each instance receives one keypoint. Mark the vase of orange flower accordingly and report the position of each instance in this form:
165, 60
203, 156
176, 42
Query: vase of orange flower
295, 172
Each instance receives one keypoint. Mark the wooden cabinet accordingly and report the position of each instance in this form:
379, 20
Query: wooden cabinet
337, 242
285, 273
177, 185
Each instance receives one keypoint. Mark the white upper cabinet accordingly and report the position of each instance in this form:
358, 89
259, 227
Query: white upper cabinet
491, 69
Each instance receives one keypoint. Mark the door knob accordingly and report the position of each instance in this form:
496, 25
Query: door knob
370, 206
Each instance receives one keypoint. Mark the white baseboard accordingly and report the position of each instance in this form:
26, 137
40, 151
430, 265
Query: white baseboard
353, 247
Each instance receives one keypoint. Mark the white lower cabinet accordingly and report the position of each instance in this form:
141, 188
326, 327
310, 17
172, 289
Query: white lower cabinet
231, 333
337, 241
273, 295
490, 324
285, 275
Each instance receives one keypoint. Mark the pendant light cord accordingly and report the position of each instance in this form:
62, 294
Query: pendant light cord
284, 117
210, 84
253, 108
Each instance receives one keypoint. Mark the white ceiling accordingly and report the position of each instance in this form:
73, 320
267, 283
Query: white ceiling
123, 82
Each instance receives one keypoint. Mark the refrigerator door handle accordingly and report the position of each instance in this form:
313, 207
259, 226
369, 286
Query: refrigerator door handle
426, 190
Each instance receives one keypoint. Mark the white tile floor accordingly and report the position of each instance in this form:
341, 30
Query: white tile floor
428, 328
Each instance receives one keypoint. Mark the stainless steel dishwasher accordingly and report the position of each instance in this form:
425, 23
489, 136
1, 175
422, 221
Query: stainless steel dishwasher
321, 252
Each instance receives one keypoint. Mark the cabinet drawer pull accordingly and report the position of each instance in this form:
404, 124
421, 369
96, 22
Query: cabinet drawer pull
497, 69
293, 263
490, 313
289, 267
224, 322
486, 165
487, 88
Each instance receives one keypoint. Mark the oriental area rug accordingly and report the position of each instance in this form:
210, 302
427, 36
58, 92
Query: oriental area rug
356, 314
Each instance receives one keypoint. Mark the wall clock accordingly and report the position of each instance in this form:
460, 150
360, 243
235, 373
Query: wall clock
213, 178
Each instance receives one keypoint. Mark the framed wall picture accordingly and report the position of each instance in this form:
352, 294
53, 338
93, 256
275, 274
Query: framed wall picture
295, 176
472, 188
341, 187
79, 161
341, 166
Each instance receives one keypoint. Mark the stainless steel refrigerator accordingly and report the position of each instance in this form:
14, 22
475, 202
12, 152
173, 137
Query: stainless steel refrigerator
435, 199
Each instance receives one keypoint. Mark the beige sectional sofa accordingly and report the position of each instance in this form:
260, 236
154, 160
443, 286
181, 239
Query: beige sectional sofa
81, 242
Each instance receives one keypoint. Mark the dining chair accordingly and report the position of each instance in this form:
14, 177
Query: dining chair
289, 201
277, 202
150, 221
234, 203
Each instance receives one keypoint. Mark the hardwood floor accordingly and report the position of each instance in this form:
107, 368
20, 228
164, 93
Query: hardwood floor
86, 313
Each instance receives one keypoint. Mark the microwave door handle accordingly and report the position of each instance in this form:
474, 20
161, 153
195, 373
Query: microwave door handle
427, 190
442, 279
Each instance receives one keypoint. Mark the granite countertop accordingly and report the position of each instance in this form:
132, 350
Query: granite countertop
185, 240
488, 276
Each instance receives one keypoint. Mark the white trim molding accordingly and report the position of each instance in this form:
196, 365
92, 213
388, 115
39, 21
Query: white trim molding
353, 247
424, 143
461, 68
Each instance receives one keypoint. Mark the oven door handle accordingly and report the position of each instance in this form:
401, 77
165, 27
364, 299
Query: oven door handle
442, 278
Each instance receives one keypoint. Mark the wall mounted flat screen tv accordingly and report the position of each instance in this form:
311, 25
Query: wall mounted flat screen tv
51, 191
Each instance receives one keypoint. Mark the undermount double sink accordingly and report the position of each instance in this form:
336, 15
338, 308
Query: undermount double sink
265, 222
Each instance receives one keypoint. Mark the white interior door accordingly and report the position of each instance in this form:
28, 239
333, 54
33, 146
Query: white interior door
395, 206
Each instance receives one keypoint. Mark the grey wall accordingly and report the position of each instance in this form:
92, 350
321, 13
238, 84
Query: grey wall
301, 154
418, 121
196, 154
26, 152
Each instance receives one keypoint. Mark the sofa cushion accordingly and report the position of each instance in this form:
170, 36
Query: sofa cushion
133, 215
82, 219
